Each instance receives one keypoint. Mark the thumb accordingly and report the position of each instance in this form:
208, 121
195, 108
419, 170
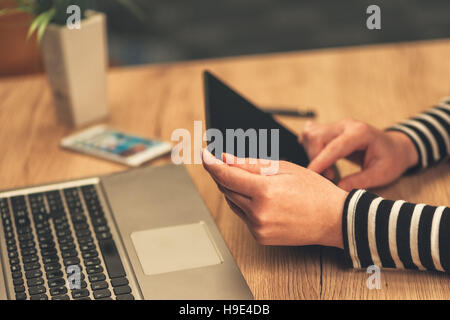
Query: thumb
364, 179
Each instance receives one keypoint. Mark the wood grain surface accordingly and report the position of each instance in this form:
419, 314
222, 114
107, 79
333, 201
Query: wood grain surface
376, 84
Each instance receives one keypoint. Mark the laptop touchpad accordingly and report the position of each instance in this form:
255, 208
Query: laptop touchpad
175, 248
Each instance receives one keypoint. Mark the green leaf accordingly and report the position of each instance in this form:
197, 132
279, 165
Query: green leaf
43, 26
40, 23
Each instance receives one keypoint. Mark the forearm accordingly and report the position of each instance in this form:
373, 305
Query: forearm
395, 234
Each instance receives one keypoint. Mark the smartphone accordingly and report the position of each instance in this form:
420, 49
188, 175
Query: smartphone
107, 143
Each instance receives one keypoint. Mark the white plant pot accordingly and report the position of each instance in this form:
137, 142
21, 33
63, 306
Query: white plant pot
76, 62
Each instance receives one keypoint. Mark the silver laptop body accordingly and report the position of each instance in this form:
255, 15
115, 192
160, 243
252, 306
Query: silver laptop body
168, 243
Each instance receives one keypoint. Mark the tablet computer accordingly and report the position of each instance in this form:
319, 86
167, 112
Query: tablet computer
226, 109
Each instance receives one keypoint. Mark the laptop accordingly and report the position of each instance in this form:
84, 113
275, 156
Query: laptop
226, 109
139, 234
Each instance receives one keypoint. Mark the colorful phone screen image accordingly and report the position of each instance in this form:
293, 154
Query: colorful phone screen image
117, 143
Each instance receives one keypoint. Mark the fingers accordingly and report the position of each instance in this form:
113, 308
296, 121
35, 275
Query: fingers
367, 178
255, 166
238, 211
314, 136
340, 147
247, 164
233, 178
240, 200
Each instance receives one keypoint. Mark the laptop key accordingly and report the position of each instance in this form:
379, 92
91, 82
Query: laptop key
104, 236
100, 229
119, 282
69, 254
57, 282
100, 294
47, 245
21, 296
65, 240
78, 219
83, 284
19, 288
40, 297
35, 282
80, 293
29, 251
33, 274
94, 269
15, 268
91, 262
32, 266
89, 254
57, 291
63, 297
87, 247
122, 290
112, 259
25, 237
71, 261
50, 259
125, 297
96, 277
27, 244
85, 240
67, 246
36, 290
99, 285
54, 274
48, 252
83, 233
100, 221
52, 267
29, 259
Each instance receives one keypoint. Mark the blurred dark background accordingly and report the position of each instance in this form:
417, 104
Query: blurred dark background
179, 30
173, 30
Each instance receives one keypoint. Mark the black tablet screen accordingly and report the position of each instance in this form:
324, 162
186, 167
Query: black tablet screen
228, 111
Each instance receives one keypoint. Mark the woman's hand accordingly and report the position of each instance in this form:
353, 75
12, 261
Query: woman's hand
294, 206
383, 156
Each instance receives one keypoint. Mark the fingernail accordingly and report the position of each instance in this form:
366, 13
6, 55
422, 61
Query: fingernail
208, 158
229, 158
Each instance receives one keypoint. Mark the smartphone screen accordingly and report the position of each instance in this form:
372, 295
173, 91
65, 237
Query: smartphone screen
117, 143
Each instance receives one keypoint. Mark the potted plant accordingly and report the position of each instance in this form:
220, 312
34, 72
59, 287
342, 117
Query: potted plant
74, 47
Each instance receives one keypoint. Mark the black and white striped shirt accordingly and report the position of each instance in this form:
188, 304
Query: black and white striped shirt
398, 234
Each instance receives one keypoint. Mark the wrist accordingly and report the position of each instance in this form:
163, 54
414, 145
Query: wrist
406, 148
332, 237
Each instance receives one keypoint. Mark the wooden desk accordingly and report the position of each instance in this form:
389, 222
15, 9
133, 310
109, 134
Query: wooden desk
377, 84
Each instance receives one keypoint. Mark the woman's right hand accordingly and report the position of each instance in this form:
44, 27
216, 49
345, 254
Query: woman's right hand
383, 155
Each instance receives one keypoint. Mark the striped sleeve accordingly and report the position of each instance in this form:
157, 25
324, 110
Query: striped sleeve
395, 234
430, 133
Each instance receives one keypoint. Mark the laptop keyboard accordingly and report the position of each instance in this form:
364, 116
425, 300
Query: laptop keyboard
60, 247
